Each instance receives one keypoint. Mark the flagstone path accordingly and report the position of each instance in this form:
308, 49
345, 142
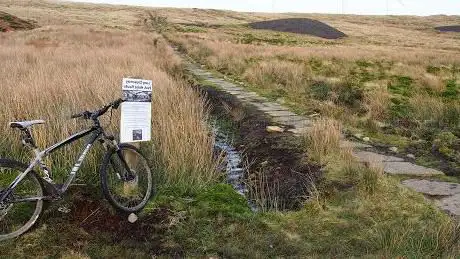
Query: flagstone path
445, 194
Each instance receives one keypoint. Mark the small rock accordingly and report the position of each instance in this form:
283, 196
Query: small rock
272, 129
281, 100
393, 149
358, 135
411, 156
366, 139
132, 218
381, 125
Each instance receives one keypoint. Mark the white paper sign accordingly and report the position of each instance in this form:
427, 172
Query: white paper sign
136, 111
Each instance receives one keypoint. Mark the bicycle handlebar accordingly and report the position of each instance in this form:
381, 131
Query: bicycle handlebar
95, 114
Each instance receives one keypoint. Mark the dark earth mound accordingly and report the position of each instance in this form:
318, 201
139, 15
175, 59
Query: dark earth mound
450, 28
10, 22
301, 26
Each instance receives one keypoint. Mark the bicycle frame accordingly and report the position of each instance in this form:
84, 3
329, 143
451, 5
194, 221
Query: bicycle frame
96, 131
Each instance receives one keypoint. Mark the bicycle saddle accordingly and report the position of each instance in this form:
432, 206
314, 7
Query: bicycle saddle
25, 124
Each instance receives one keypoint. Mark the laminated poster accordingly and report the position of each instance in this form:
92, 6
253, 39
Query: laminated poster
136, 110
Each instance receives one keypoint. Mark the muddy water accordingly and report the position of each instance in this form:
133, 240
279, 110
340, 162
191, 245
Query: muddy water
232, 164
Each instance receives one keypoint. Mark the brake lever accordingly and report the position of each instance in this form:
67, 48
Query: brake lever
87, 115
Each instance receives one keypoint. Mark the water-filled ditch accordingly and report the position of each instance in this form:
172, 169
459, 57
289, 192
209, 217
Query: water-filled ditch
232, 162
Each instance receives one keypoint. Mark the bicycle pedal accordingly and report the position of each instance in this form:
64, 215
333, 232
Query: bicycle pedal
64, 209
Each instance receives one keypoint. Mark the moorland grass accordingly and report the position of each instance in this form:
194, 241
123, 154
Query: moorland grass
355, 211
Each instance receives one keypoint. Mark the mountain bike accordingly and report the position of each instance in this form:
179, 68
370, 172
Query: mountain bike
126, 179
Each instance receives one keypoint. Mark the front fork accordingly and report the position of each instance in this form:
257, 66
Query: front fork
110, 142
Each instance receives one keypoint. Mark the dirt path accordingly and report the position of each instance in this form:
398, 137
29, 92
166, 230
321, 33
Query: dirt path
446, 194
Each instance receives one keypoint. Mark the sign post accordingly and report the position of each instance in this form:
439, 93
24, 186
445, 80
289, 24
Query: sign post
135, 121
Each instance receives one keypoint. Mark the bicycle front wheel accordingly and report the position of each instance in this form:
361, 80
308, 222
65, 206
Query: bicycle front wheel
126, 178
19, 211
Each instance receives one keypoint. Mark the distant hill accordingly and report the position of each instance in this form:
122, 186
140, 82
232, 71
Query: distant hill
10, 22
450, 28
301, 26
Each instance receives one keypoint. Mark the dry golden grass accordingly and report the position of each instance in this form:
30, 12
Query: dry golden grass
67, 13
427, 107
377, 101
54, 71
323, 139
372, 74
433, 82
290, 75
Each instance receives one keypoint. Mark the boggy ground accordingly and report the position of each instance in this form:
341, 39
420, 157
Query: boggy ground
399, 88
278, 174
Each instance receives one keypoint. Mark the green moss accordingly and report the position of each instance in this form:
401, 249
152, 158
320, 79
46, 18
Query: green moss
451, 117
221, 200
452, 90
400, 108
364, 63
445, 143
315, 64
8, 17
401, 85
320, 90
433, 69
273, 39
189, 28
350, 94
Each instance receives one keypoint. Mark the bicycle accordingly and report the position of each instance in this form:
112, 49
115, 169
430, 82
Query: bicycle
126, 179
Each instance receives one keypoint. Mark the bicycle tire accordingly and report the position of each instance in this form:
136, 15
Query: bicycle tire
20, 167
105, 174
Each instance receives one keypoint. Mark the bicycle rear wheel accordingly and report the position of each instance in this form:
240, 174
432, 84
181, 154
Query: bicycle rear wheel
16, 217
126, 190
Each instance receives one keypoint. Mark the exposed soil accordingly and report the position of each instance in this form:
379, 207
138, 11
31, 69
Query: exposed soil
276, 162
301, 26
450, 28
96, 217
10, 22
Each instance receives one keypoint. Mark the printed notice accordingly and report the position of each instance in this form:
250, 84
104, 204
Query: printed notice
136, 110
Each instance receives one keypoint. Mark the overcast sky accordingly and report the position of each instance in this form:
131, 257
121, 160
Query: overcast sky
412, 7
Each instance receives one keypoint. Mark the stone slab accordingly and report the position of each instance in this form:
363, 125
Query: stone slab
305, 123
299, 131
450, 204
433, 188
230, 86
266, 108
277, 105
353, 145
216, 81
234, 92
281, 113
260, 99
406, 168
365, 156
245, 95
291, 120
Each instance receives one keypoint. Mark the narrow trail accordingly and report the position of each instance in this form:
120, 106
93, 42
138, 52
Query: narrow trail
446, 195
